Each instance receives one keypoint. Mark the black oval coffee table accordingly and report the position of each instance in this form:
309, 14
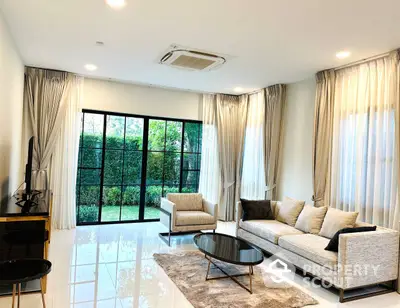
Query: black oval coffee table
231, 250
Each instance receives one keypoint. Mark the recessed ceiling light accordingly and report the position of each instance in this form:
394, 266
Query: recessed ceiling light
238, 89
342, 54
90, 67
116, 4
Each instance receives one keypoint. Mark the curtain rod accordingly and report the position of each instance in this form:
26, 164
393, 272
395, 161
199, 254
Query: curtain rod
362, 61
46, 69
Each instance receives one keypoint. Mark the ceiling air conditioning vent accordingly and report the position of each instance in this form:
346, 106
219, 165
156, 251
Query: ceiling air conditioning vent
192, 60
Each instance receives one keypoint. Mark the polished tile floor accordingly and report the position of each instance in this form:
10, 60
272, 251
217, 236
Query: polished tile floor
111, 266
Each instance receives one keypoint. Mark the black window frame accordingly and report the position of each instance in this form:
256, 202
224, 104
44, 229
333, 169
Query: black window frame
144, 151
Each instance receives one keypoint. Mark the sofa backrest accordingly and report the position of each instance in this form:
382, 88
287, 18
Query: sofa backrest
187, 202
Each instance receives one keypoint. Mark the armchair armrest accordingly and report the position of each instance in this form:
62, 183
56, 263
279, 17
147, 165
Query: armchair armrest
167, 213
239, 214
368, 257
211, 208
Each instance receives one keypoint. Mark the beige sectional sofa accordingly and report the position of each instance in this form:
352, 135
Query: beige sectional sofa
363, 259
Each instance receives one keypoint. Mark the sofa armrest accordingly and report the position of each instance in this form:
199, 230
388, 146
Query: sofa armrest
368, 257
167, 213
211, 208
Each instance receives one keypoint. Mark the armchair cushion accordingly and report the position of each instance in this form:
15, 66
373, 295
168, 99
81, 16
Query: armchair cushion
190, 218
187, 202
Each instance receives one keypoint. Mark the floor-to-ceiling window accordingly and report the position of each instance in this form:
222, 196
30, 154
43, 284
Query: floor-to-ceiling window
128, 162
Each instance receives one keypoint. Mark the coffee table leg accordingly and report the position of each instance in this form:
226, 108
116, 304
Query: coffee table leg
208, 269
233, 277
250, 274
19, 294
13, 295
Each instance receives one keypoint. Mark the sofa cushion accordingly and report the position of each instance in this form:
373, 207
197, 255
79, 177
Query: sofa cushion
270, 230
311, 247
187, 202
289, 211
256, 209
336, 220
310, 219
189, 218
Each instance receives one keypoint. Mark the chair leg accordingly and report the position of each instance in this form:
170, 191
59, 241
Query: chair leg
13, 295
19, 295
41, 291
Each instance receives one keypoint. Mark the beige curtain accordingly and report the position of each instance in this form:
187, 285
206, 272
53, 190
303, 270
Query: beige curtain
45, 101
322, 138
64, 162
230, 115
210, 174
275, 98
253, 175
364, 159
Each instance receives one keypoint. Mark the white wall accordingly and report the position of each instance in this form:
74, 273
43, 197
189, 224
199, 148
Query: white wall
141, 100
11, 102
295, 178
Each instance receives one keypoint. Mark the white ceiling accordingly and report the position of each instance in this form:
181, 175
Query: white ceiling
270, 41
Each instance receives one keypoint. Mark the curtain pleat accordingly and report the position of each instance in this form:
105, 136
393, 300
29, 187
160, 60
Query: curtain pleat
253, 179
64, 162
52, 114
210, 175
275, 98
45, 100
230, 115
322, 138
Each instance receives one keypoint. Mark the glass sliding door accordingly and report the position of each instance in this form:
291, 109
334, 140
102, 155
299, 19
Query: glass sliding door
127, 163
163, 163
122, 169
191, 157
89, 168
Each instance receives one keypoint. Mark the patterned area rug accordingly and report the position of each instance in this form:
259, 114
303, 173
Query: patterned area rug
188, 270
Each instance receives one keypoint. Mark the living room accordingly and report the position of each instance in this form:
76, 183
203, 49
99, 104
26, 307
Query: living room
166, 154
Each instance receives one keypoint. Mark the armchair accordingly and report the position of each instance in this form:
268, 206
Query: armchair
186, 213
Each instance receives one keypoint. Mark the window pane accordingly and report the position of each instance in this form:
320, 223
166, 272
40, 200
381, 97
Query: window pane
172, 167
191, 142
133, 167
90, 176
155, 163
190, 178
170, 189
152, 203
89, 200
134, 134
190, 161
157, 135
190, 189
111, 203
113, 167
93, 130
91, 158
130, 203
174, 136
115, 132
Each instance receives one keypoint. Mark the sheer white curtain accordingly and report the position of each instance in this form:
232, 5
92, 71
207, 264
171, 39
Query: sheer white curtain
253, 172
64, 161
364, 174
210, 176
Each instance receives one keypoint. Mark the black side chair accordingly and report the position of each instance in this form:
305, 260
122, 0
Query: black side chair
16, 272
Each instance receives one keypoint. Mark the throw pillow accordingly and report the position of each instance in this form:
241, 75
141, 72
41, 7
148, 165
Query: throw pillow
311, 219
333, 244
256, 209
336, 220
289, 211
